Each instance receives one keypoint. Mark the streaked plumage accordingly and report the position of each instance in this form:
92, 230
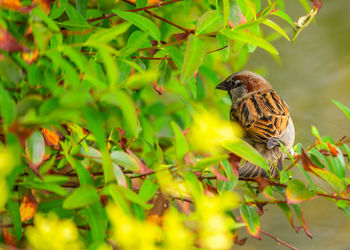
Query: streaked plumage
264, 117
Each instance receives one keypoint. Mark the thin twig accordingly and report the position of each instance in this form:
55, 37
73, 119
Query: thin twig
167, 21
317, 193
181, 199
160, 18
87, 227
150, 58
212, 51
166, 57
157, 5
147, 11
152, 172
279, 240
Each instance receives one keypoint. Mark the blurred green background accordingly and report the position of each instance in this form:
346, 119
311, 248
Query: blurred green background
313, 71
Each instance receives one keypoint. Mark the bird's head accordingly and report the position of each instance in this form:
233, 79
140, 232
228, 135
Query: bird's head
242, 83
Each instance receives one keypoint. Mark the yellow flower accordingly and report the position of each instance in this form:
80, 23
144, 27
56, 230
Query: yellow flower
209, 131
176, 235
52, 233
7, 163
214, 224
131, 233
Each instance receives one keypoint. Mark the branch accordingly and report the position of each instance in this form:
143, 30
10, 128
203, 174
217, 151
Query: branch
335, 197
153, 5
279, 240
87, 227
212, 51
166, 58
150, 58
147, 11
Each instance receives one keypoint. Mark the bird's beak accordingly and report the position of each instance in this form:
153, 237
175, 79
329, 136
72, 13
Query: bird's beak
222, 86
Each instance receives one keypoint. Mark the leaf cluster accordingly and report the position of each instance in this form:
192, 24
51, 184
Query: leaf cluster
111, 129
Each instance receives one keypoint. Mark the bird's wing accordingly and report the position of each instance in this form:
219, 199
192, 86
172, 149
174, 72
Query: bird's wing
263, 115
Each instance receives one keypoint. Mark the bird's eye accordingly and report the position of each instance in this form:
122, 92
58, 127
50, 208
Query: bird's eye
236, 83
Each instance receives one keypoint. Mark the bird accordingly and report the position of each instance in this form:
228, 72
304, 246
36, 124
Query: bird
264, 118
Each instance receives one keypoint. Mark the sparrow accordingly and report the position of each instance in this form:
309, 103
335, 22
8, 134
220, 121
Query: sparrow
263, 116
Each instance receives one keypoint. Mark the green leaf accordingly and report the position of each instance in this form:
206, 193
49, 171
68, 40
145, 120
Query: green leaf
35, 149
117, 196
70, 75
131, 196
141, 22
251, 218
58, 9
7, 107
107, 35
164, 73
81, 197
277, 28
284, 176
287, 212
194, 184
110, 65
247, 152
300, 216
129, 113
125, 160
119, 175
343, 108
141, 3
280, 4
210, 161
180, 142
247, 37
257, 5
34, 75
13, 209
96, 222
224, 186
196, 50
268, 9
95, 126
148, 190
226, 10
305, 4
83, 175
247, 9
51, 24
81, 6
51, 187
346, 149
210, 21
176, 55
223, 43
10, 71
75, 16
283, 16
336, 182
137, 40
314, 132
296, 192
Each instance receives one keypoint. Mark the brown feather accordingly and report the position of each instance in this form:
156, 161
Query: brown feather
263, 115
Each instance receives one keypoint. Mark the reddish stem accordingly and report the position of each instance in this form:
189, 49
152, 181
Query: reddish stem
279, 240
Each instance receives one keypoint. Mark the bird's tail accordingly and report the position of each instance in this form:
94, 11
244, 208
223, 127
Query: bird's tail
273, 156
251, 171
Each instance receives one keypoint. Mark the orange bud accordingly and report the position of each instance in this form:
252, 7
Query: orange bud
30, 57
52, 139
10, 4
332, 149
28, 208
